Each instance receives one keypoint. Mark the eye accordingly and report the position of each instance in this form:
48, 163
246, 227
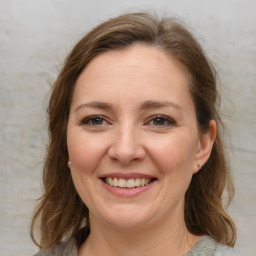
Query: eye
93, 121
160, 120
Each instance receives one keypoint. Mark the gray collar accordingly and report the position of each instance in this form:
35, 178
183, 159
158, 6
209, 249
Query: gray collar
205, 247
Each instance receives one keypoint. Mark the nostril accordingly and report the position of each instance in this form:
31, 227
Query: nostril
126, 153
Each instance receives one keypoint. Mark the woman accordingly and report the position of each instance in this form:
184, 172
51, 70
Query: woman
135, 163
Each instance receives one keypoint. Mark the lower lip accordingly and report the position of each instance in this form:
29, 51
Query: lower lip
127, 192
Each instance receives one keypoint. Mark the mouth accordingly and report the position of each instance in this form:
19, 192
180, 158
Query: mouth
128, 183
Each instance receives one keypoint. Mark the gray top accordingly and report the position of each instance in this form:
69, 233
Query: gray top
205, 247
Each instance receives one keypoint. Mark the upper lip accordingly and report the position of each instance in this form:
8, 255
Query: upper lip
127, 176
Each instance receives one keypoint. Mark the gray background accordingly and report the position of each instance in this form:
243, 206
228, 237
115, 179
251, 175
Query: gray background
35, 36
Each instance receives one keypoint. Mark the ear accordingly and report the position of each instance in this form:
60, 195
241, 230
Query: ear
204, 147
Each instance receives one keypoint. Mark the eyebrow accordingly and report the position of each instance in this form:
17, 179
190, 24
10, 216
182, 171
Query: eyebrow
149, 104
95, 104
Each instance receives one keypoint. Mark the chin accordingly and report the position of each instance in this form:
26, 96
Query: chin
130, 217
128, 223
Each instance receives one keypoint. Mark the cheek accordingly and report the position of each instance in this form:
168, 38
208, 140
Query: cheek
84, 151
174, 154
175, 161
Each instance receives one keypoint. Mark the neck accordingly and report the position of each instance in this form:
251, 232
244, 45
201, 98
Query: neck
170, 239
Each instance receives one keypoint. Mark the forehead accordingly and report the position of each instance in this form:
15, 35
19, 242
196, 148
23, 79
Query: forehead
137, 72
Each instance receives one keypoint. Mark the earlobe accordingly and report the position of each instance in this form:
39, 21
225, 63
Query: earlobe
205, 145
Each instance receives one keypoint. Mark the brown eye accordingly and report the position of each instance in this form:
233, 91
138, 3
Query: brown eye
93, 121
161, 121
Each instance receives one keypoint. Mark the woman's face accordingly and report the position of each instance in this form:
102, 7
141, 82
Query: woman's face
132, 137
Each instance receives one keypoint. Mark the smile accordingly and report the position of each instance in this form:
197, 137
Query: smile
130, 183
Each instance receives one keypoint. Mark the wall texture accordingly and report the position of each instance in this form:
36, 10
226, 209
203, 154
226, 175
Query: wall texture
35, 36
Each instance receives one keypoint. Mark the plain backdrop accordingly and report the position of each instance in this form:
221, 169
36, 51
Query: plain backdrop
35, 37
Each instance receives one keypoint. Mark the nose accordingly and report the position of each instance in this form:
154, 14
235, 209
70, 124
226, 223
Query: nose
127, 146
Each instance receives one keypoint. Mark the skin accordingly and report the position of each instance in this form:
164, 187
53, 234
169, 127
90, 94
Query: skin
128, 138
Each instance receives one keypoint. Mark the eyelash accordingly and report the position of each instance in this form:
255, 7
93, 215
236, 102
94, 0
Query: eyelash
90, 119
168, 120
87, 120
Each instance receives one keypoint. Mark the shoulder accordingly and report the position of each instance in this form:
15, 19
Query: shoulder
207, 246
68, 248
224, 250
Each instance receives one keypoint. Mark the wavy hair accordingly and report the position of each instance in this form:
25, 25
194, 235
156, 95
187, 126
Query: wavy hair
60, 212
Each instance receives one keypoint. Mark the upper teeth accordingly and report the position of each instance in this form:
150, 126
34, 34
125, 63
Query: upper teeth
131, 183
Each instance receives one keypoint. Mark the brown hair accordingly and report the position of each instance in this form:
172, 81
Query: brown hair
60, 211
